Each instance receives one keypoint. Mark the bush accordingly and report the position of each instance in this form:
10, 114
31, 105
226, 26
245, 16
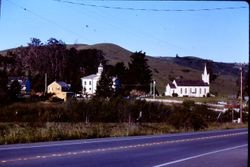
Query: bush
174, 94
191, 116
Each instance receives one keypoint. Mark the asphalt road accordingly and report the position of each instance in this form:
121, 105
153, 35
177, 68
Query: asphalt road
214, 148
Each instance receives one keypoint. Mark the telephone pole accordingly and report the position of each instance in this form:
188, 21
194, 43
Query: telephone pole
154, 89
45, 83
241, 121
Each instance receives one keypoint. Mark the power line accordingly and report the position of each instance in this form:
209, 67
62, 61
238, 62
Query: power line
43, 18
152, 10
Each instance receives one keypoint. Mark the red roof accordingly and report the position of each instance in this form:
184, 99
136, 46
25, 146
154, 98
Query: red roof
172, 85
190, 83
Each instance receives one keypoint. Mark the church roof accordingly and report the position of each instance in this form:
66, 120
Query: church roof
190, 83
90, 76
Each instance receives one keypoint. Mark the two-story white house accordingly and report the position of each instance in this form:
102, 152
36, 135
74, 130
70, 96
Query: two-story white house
89, 83
189, 88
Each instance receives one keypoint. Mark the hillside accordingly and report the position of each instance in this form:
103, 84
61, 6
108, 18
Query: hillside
166, 68
112, 52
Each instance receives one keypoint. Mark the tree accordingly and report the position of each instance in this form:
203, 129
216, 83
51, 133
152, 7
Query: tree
139, 73
104, 87
3, 87
246, 82
14, 91
35, 42
212, 74
120, 72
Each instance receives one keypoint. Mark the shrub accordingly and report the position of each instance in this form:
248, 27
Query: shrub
174, 94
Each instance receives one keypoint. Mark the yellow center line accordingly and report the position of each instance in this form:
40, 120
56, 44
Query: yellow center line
119, 148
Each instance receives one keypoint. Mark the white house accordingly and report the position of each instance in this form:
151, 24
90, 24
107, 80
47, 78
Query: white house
189, 88
89, 83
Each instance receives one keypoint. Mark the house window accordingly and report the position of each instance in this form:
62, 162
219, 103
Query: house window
181, 90
190, 90
185, 90
57, 88
194, 90
89, 88
89, 82
205, 91
85, 83
200, 90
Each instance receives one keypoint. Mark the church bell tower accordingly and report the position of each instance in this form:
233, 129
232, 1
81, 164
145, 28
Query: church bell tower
205, 76
100, 69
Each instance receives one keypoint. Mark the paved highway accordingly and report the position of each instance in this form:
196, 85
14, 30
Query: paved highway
214, 148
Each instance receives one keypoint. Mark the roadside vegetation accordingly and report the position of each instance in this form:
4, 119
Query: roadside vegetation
98, 117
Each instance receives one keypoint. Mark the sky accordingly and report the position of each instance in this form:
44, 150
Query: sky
214, 30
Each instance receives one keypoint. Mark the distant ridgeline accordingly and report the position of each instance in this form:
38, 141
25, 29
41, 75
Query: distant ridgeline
218, 68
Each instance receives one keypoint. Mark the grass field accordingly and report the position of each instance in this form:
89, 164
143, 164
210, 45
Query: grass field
37, 132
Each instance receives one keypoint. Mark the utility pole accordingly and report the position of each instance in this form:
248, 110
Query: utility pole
241, 95
154, 89
45, 83
150, 92
232, 115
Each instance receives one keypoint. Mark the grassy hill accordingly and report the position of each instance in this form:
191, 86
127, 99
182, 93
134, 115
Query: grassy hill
166, 68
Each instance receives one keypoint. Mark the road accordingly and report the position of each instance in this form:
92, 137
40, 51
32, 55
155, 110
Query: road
213, 148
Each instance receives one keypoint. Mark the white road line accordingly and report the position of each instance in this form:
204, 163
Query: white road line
200, 155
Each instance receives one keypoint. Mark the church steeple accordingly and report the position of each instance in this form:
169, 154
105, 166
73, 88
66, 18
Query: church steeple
205, 75
100, 69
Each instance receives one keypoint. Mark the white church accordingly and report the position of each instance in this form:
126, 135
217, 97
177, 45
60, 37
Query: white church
89, 83
189, 88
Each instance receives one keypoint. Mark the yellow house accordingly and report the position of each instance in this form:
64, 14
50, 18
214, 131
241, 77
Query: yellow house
60, 89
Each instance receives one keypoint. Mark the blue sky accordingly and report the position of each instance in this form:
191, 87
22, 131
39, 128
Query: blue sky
219, 35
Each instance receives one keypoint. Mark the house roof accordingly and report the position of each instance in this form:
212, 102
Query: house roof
191, 83
63, 84
90, 76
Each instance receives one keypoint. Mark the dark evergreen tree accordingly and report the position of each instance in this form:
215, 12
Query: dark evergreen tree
212, 74
120, 72
104, 87
35, 42
3, 87
15, 90
139, 74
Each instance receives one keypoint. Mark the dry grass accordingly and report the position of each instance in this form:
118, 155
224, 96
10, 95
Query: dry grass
36, 132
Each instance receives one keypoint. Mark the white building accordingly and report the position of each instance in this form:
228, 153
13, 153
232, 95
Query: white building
189, 88
89, 83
